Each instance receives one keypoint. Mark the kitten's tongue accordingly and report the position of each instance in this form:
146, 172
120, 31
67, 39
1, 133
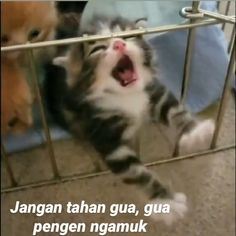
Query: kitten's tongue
124, 71
128, 76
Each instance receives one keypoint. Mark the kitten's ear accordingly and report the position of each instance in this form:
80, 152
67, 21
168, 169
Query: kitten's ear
60, 61
141, 23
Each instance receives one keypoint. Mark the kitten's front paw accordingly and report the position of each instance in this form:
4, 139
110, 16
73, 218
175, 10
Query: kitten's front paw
178, 208
197, 139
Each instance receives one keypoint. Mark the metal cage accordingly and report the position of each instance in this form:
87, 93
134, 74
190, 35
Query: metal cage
196, 17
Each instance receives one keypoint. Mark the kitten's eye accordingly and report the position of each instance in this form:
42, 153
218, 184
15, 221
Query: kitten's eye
4, 38
129, 37
33, 34
98, 48
91, 42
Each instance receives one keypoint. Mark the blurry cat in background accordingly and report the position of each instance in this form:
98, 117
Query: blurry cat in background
22, 22
16, 98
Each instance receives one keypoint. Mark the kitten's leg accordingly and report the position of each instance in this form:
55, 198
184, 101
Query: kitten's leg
107, 136
194, 135
124, 163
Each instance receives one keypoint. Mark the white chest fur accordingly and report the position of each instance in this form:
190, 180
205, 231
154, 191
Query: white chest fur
132, 105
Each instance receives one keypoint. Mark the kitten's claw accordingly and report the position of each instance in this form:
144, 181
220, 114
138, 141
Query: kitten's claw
197, 139
178, 208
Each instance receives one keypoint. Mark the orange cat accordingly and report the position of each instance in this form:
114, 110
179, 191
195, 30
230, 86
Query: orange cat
16, 98
22, 22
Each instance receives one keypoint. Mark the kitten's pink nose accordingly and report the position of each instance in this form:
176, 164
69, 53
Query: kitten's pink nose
119, 45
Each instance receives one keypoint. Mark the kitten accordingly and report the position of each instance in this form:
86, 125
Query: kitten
22, 22
111, 89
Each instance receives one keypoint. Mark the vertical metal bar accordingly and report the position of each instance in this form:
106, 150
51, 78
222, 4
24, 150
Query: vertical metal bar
218, 5
43, 115
187, 64
227, 8
230, 47
8, 167
219, 118
188, 55
226, 12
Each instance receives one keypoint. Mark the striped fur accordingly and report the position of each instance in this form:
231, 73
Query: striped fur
109, 115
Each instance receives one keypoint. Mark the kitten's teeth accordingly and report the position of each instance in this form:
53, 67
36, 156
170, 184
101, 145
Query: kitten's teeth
197, 139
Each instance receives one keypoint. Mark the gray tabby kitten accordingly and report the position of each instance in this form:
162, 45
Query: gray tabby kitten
110, 90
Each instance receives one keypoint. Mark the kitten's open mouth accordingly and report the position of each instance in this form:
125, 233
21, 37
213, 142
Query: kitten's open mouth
124, 71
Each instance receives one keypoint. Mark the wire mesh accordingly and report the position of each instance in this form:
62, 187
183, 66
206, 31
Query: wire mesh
197, 21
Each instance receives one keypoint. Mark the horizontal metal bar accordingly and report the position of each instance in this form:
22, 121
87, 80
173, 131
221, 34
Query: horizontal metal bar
53, 181
92, 175
142, 31
192, 155
218, 16
188, 12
